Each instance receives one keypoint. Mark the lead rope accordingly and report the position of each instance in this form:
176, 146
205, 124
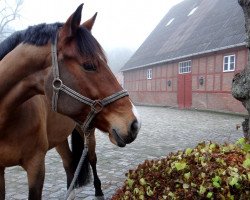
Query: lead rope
79, 166
78, 169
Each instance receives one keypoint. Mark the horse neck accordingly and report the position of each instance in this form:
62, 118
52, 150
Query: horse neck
22, 74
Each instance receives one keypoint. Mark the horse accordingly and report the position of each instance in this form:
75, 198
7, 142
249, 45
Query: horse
55, 80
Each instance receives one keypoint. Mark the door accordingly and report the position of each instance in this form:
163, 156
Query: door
184, 94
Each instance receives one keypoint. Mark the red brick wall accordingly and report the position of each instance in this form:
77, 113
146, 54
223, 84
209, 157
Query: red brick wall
214, 94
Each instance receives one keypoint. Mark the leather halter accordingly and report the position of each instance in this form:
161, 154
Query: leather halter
95, 105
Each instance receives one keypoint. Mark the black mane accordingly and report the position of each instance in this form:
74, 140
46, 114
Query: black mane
41, 34
38, 35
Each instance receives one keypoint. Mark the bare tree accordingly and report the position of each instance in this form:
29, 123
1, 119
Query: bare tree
8, 13
241, 81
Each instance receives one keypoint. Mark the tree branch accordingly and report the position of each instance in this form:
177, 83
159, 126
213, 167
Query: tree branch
11, 14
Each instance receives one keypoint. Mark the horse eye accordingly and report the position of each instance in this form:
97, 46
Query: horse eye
89, 67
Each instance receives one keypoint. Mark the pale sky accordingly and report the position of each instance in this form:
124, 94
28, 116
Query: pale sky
119, 23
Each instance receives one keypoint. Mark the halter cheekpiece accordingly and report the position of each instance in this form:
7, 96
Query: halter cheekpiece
95, 105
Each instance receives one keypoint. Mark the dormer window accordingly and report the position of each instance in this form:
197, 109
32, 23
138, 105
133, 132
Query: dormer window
192, 11
170, 21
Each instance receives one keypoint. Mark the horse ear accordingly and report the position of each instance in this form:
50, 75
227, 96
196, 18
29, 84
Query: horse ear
89, 23
73, 22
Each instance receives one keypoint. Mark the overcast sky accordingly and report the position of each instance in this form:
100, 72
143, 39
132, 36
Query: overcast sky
120, 23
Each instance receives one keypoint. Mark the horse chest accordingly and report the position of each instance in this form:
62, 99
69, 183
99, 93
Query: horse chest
10, 155
21, 134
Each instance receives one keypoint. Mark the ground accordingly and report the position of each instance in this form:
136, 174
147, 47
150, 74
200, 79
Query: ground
164, 130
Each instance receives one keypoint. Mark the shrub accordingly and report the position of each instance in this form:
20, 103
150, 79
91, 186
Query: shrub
208, 171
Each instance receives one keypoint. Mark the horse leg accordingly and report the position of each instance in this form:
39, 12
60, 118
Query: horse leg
66, 155
2, 184
93, 160
35, 168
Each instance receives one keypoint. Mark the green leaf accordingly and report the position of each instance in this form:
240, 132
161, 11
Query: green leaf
203, 164
234, 181
209, 195
149, 191
193, 185
241, 141
171, 194
216, 181
212, 146
203, 175
130, 182
216, 184
185, 186
180, 165
126, 197
202, 189
225, 149
246, 163
246, 147
136, 191
233, 169
157, 184
188, 151
142, 181
187, 175
221, 161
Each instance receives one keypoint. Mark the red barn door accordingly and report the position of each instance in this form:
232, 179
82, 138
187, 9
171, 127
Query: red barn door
184, 94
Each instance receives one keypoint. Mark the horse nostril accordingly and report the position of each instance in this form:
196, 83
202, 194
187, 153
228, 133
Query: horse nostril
134, 128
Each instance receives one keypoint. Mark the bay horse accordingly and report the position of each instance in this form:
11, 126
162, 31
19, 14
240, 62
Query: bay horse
55, 78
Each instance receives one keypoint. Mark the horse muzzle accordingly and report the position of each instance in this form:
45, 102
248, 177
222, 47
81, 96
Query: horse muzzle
121, 140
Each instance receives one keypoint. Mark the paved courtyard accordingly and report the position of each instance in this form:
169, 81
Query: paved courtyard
163, 130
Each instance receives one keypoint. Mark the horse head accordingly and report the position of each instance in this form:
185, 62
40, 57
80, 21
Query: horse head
83, 83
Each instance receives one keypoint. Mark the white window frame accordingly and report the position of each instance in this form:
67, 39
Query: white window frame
185, 67
149, 73
226, 65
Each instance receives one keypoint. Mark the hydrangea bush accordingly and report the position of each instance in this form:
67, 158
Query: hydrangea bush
208, 171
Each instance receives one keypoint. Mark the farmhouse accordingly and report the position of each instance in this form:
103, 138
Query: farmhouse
190, 58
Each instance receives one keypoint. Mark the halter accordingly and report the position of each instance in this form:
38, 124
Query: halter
95, 105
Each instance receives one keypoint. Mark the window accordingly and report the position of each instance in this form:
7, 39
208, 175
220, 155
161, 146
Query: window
229, 63
170, 21
149, 74
192, 11
185, 67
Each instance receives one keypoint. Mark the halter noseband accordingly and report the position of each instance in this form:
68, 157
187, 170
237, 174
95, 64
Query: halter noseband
95, 105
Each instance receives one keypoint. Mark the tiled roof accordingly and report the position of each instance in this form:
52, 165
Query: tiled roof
212, 25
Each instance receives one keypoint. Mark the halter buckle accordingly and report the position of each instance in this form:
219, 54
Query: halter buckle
57, 84
97, 106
